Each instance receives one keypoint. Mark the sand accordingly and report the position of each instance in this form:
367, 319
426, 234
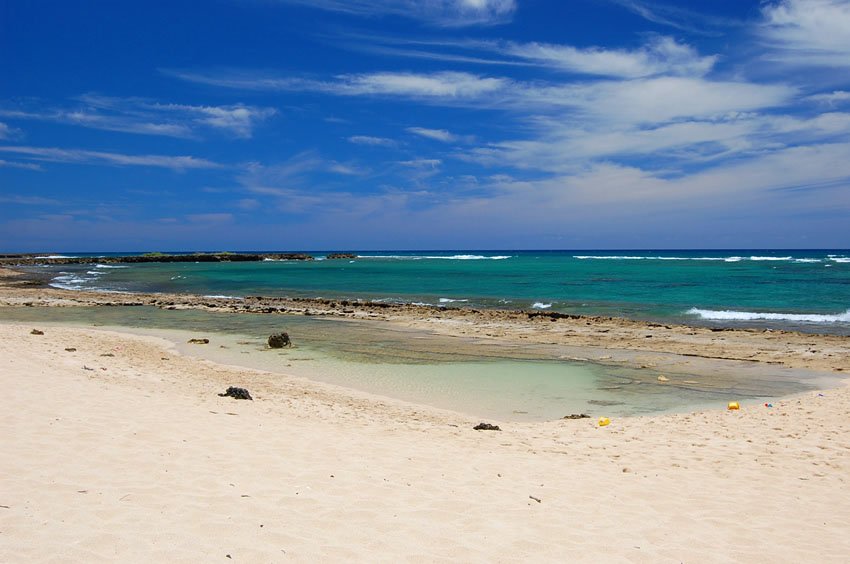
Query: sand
134, 457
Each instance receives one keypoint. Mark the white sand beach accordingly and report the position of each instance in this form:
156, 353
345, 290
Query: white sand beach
121, 450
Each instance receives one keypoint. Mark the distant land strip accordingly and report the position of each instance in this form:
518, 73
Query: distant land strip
30, 259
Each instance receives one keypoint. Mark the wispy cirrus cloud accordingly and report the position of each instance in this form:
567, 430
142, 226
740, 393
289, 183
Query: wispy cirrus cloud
640, 100
458, 85
373, 141
148, 117
83, 156
657, 100
5, 131
14, 164
807, 32
442, 135
28, 200
426, 86
659, 55
439, 13
677, 17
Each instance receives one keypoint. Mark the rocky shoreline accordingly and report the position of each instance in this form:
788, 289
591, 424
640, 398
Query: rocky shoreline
783, 348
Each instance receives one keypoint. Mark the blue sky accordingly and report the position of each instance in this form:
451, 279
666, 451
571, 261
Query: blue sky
431, 124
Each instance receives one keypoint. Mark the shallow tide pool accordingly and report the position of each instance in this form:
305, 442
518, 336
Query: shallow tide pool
476, 377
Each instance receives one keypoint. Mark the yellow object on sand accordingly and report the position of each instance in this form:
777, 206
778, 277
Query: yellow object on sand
604, 421
733, 405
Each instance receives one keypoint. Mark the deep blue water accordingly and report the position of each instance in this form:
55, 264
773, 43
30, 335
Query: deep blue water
801, 289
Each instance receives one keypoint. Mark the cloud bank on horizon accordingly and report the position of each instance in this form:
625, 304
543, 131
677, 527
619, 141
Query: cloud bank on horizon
375, 124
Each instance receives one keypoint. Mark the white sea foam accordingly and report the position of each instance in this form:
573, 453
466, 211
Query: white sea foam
437, 257
68, 282
718, 259
541, 305
608, 257
450, 300
52, 256
223, 296
726, 315
110, 266
635, 257
840, 259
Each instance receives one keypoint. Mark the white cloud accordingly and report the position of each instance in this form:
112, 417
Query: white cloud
374, 141
645, 100
442, 13
831, 98
147, 117
345, 169
238, 119
673, 15
617, 204
436, 134
661, 55
50, 154
25, 166
560, 148
810, 32
5, 131
452, 85
433, 86
656, 100
422, 163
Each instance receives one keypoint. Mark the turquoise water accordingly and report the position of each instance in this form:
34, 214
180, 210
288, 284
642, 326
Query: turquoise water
483, 378
807, 290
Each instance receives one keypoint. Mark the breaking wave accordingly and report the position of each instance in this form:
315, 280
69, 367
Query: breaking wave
726, 315
69, 282
753, 258
437, 257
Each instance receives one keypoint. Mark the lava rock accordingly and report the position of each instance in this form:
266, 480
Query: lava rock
280, 340
237, 393
577, 416
36, 332
199, 341
486, 427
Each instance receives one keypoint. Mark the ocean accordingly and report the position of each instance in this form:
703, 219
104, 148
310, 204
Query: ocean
806, 290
